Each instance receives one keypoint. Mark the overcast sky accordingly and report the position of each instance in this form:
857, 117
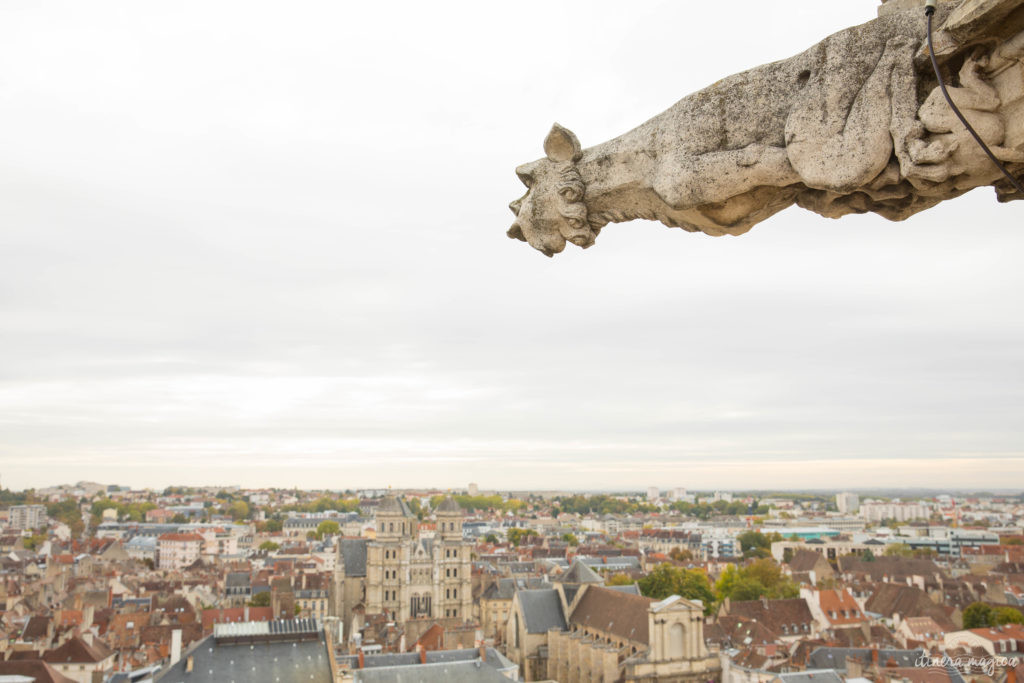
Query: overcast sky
264, 244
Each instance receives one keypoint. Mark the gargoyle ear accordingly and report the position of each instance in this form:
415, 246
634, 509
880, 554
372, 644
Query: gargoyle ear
561, 145
525, 173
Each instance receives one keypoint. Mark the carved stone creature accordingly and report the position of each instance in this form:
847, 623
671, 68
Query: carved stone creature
835, 130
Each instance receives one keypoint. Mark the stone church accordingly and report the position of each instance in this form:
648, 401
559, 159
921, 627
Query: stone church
404, 574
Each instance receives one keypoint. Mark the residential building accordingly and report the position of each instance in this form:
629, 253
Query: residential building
847, 503
27, 516
176, 551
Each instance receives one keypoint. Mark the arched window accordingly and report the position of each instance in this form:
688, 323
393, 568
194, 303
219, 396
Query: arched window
391, 526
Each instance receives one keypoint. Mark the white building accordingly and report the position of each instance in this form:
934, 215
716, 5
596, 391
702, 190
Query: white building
474, 490
27, 516
847, 502
652, 493
901, 512
176, 551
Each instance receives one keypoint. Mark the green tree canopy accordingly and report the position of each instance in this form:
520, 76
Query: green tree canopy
269, 546
759, 579
260, 600
516, 535
327, 528
977, 615
666, 579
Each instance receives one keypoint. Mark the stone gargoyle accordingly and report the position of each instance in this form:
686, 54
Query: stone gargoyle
855, 124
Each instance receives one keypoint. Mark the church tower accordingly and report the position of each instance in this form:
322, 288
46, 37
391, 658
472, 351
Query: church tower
452, 591
387, 556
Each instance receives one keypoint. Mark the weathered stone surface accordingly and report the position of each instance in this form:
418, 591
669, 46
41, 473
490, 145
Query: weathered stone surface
855, 124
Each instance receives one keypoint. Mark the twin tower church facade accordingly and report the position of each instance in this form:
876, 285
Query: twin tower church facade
404, 575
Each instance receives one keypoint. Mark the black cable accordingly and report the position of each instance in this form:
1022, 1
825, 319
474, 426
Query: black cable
929, 11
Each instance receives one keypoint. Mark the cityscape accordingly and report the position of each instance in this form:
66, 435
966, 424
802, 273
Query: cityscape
109, 583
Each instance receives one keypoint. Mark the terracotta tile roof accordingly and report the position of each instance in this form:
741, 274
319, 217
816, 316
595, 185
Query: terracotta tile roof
36, 669
776, 614
907, 601
1005, 632
840, 608
621, 614
76, 650
180, 538
36, 627
804, 560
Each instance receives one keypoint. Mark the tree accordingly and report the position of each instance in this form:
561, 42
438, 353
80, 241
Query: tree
260, 600
238, 510
327, 528
868, 556
760, 579
680, 554
898, 550
272, 526
33, 542
490, 538
571, 539
756, 544
516, 535
620, 579
666, 579
1006, 615
269, 546
179, 519
977, 615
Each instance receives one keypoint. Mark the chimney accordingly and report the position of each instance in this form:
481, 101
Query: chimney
246, 613
874, 657
1011, 674
483, 652
362, 659
176, 648
423, 653
189, 663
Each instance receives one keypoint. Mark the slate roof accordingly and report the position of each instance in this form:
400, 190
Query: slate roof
819, 676
631, 589
441, 672
613, 612
353, 556
393, 505
457, 666
579, 572
304, 660
835, 657
237, 580
448, 505
542, 610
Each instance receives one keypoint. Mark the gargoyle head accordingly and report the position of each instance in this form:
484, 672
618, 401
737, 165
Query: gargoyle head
552, 210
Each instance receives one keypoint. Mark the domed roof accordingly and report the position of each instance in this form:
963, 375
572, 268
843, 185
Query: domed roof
393, 505
448, 505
